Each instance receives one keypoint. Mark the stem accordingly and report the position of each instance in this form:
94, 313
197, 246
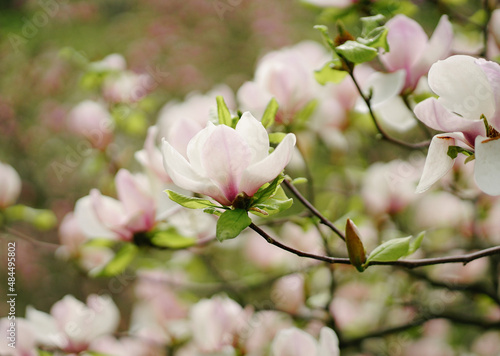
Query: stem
384, 134
464, 259
315, 211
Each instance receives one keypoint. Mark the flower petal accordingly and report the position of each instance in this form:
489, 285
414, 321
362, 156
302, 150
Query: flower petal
293, 342
432, 113
184, 176
463, 87
407, 41
225, 156
438, 163
255, 135
328, 342
45, 327
492, 71
88, 221
487, 165
384, 86
266, 170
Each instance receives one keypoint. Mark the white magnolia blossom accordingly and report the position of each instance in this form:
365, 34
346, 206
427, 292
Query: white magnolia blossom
469, 94
223, 162
296, 342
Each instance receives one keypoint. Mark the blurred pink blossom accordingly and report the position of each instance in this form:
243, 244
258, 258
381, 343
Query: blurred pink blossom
127, 87
412, 51
126, 346
23, 337
288, 293
91, 120
72, 325
296, 342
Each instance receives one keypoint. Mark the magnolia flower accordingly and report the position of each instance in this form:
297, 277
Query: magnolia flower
469, 94
112, 62
288, 76
223, 162
216, 323
105, 217
91, 120
10, 185
494, 35
18, 332
412, 51
72, 325
296, 342
126, 346
127, 87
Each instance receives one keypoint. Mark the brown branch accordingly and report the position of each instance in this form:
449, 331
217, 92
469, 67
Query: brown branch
315, 211
464, 259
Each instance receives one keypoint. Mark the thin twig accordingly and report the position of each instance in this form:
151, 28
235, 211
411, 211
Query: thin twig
464, 259
23, 236
315, 211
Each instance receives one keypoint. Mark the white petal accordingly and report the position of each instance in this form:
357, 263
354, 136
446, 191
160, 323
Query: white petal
384, 86
10, 185
293, 342
45, 327
195, 148
266, 170
225, 157
439, 45
255, 135
438, 163
88, 221
396, 115
492, 71
462, 87
103, 316
487, 165
328, 343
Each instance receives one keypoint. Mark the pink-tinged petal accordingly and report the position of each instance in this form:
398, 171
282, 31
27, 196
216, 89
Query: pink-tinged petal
492, 71
253, 97
45, 327
437, 163
255, 135
407, 41
111, 213
150, 157
438, 47
103, 318
294, 342
225, 156
183, 175
487, 165
181, 132
196, 146
463, 87
433, 114
269, 168
137, 203
328, 342
88, 221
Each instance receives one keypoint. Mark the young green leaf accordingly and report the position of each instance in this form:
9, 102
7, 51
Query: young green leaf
390, 250
356, 52
415, 243
223, 112
270, 113
355, 248
122, 259
328, 74
189, 202
171, 239
377, 38
326, 37
453, 151
267, 190
369, 23
303, 115
231, 223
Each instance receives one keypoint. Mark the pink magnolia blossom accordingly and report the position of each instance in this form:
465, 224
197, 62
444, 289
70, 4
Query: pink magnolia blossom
91, 120
72, 325
126, 346
468, 93
223, 162
180, 122
494, 35
113, 62
265, 325
105, 217
296, 342
127, 87
10, 185
411, 49
288, 76
23, 338
216, 323
288, 293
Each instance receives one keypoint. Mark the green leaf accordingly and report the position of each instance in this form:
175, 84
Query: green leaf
189, 202
121, 261
231, 223
44, 353
270, 113
223, 112
299, 180
355, 248
326, 37
377, 38
356, 52
172, 239
267, 190
303, 115
275, 204
369, 23
415, 243
276, 137
328, 74
391, 250
213, 211
453, 151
